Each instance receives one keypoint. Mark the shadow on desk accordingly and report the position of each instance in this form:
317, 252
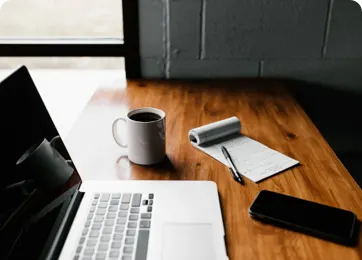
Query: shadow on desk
333, 110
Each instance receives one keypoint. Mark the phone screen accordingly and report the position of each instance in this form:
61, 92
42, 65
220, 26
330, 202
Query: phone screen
305, 214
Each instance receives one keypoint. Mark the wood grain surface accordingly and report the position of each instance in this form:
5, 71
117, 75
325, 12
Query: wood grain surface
268, 113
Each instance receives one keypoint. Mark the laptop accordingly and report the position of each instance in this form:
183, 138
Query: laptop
124, 220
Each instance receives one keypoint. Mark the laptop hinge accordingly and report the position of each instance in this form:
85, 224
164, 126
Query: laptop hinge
60, 231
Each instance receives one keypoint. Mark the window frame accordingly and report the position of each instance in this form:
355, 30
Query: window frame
128, 47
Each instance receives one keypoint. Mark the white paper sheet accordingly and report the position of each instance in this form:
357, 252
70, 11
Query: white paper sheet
251, 158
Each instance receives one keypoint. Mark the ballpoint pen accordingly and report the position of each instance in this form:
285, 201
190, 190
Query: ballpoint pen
236, 175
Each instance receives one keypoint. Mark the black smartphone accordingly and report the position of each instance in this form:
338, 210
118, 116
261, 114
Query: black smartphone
304, 216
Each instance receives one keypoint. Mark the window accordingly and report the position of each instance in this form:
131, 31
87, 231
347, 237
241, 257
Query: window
53, 63
68, 28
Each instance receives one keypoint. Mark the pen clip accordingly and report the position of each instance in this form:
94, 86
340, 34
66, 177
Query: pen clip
232, 173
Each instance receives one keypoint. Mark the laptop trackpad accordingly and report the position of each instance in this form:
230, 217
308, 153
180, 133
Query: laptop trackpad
184, 241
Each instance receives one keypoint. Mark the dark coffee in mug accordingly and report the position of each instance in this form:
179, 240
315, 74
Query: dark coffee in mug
145, 117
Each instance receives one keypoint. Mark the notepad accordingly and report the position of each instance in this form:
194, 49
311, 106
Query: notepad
252, 159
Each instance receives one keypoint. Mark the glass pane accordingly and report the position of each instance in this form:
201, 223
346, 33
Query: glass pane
71, 18
10, 63
67, 84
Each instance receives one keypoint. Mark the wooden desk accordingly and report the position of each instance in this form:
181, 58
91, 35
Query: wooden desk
268, 114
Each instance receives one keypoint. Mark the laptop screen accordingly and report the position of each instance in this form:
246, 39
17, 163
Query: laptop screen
25, 122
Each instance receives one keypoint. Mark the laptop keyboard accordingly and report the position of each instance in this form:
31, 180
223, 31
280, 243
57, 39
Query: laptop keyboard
117, 227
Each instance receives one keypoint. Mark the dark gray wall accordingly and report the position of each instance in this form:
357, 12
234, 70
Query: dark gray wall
313, 40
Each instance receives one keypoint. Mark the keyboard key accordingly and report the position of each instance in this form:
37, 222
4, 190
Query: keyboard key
114, 202
126, 198
98, 219
133, 217
136, 200
81, 240
96, 196
112, 208
142, 245
149, 209
86, 258
116, 245
107, 230
76, 257
92, 209
150, 202
150, 196
119, 229
101, 211
145, 224
124, 207
135, 210
127, 249
79, 249
132, 224
85, 231
103, 205
103, 247
111, 215
101, 256
109, 222
114, 254
145, 202
94, 233
121, 221
146, 216
94, 202
105, 238
127, 257
122, 214
89, 251
131, 232
91, 242
104, 197
90, 216
129, 241
116, 195
117, 237
87, 223
96, 226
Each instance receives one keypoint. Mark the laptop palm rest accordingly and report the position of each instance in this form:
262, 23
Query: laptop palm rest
184, 241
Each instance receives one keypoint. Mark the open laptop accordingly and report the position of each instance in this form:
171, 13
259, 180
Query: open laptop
124, 220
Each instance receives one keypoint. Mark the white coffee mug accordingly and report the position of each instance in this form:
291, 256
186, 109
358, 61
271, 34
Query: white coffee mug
145, 137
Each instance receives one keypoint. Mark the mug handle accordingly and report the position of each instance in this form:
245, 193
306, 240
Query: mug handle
114, 131
70, 163
54, 140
